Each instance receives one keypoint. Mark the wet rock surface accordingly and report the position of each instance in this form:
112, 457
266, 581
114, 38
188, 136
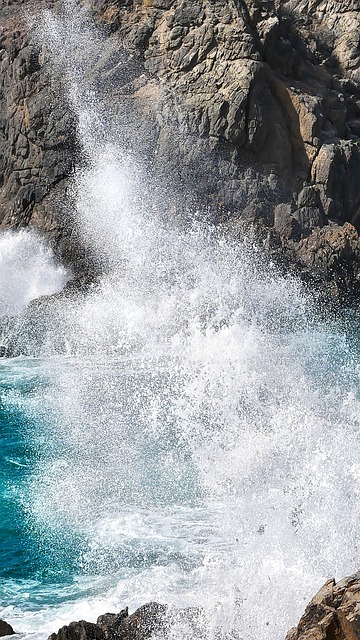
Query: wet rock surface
146, 621
333, 614
6, 629
151, 620
260, 101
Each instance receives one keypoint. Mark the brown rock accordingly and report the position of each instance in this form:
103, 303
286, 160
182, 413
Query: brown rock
257, 90
259, 100
332, 256
333, 614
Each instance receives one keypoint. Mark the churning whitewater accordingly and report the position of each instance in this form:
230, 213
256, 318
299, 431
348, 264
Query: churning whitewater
188, 431
28, 271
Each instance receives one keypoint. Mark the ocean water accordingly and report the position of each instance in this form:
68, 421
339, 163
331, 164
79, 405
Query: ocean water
205, 463
195, 440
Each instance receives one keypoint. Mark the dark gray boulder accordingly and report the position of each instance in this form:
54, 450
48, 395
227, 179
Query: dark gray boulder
146, 620
6, 629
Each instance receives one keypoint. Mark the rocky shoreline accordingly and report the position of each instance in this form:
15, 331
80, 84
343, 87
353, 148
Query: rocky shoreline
260, 101
333, 614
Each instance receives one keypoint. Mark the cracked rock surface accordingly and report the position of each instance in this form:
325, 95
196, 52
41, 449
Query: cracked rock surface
250, 108
333, 614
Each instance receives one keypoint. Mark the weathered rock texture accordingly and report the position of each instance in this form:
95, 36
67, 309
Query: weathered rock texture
333, 614
140, 625
37, 131
252, 106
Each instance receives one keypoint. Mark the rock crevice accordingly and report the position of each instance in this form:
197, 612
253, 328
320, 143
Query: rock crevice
260, 100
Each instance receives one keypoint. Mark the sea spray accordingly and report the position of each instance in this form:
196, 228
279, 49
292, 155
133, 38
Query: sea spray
28, 271
196, 440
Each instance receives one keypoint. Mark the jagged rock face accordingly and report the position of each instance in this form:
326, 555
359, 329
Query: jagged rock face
273, 89
36, 139
333, 614
142, 624
258, 99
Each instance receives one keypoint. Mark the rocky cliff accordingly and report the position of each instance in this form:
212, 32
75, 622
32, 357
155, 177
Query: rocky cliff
249, 108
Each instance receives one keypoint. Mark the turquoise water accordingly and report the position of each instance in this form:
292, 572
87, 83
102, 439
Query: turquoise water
188, 431
18, 555
23, 556
201, 428
108, 499
49, 558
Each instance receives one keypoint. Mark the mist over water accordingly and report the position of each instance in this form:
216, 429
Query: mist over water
28, 271
197, 440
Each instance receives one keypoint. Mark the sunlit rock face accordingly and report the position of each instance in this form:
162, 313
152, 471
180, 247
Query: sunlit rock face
332, 613
248, 109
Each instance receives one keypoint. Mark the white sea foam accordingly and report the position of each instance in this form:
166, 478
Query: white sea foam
202, 436
28, 271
